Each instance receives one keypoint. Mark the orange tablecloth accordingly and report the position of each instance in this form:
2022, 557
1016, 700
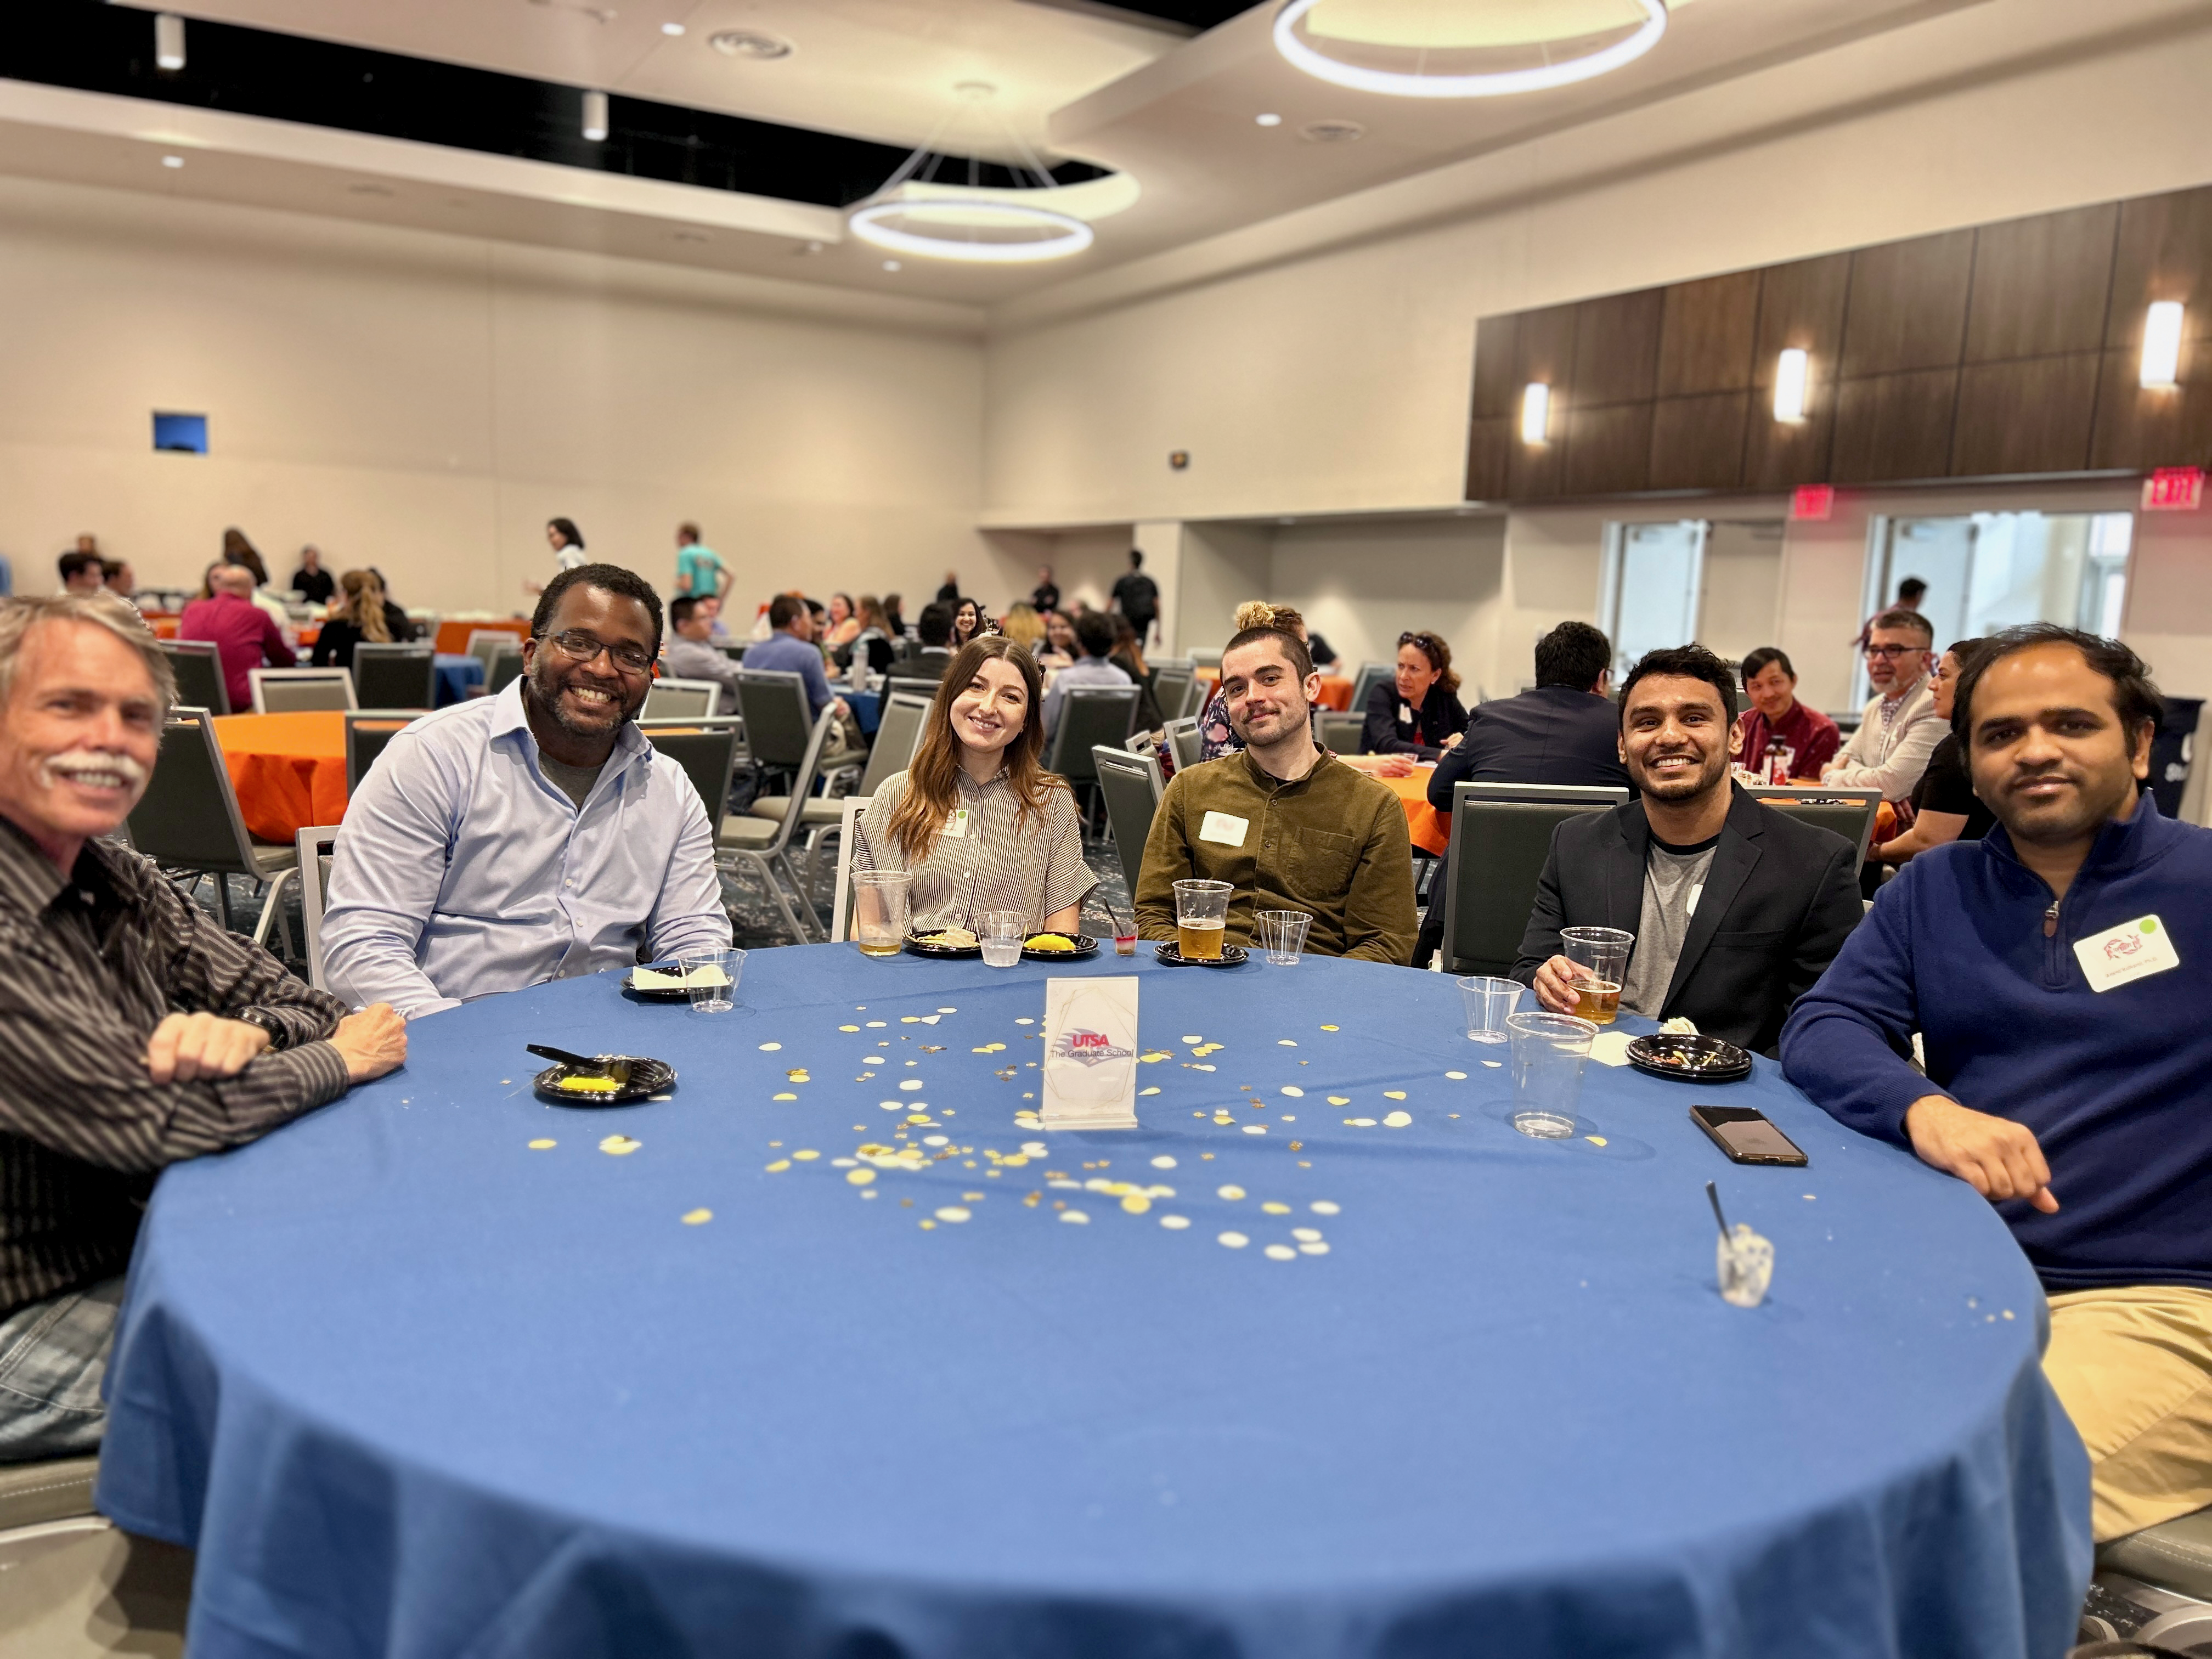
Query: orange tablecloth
1430, 830
1335, 688
165, 628
289, 770
453, 636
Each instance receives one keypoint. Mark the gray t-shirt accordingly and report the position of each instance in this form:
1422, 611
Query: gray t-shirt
575, 781
1673, 879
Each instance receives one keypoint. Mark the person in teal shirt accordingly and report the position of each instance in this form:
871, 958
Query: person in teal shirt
700, 572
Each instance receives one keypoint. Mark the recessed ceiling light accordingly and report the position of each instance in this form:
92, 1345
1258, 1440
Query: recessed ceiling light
1332, 133
595, 117
672, 28
1270, 119
891, 265
168, 42
750, 43
173, 161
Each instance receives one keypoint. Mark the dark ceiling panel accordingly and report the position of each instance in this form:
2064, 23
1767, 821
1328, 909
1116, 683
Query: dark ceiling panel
105, 48
1196, 16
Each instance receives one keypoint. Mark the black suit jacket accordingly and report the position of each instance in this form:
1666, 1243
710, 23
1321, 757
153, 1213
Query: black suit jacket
1779, 901
1554, 734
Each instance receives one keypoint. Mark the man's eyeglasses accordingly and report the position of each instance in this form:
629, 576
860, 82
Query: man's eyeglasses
580, 646
1893, 651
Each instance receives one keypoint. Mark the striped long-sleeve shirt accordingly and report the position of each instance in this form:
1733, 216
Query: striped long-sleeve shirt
90, 963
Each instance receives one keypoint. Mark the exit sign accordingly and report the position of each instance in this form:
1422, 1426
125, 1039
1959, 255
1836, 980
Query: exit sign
1813, 501
2174, 489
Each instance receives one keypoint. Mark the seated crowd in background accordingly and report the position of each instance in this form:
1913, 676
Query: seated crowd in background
244, 635
1899, 728
362, 613
1094, 632
690, 654
139, 1032
1736, 909
1416, 712
2049, 970
789, 648
1778, 737
1944, 805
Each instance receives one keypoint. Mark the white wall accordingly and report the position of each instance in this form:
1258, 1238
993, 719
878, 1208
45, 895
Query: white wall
425, 402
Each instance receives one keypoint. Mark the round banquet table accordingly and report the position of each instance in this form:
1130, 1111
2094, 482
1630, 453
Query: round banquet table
1426, 828
289, 770
414, 1382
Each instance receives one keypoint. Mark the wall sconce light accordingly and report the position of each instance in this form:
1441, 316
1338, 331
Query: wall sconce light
168, 42
595, 117
2161, 350
1535, 412
1791, 370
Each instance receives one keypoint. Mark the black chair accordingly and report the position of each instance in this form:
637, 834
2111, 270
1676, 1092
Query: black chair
188, 821
2155, 1586
1849, 812
198, 665
1171, 684
366, 732
1339, 733
317, 848
905, 685
680, 700
1372, 674
395, 676
778, 722
1131, 785
1091, 717
707, 749
1501, 834
1183, 738
505, 668
748, 843
734, 650
300, 691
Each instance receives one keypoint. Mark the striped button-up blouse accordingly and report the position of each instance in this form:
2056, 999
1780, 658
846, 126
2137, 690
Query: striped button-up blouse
1036, 867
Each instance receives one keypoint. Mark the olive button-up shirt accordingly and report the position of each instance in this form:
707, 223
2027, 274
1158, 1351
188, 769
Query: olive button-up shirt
1332, 843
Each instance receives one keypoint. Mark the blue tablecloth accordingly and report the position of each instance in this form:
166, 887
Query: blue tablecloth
867, 708
412, 1387
455, 675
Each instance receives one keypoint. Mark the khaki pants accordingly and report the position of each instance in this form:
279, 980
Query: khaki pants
2133, 1367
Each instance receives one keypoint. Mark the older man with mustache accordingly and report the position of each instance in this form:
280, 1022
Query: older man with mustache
137, 1033
531, 835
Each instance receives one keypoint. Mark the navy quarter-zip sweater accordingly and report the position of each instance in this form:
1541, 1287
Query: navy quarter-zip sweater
2116, 1084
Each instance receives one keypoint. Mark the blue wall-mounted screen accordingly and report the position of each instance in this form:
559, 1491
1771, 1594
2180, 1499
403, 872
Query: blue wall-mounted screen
185, 432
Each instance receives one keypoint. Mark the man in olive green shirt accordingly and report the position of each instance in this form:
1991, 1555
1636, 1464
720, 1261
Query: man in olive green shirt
1286, 823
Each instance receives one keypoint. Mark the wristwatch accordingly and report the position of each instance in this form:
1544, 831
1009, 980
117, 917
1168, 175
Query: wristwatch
279, 1037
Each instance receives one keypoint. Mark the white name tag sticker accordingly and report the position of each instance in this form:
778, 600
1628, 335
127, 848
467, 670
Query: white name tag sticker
1405, 713
956, 823
2133, 951
1225, 828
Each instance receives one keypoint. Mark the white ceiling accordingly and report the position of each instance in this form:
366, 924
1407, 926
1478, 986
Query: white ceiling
1174, 113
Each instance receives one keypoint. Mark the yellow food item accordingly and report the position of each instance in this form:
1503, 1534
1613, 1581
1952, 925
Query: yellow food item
1051, 942
958, 937
589, 1085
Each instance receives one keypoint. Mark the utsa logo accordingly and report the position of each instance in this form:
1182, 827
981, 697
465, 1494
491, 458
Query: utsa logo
1088, 1048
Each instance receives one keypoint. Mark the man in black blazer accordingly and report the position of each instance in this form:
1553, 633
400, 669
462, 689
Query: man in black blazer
1737, 908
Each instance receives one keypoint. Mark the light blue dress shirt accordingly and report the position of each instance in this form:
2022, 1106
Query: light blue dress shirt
1085, 671
462, 869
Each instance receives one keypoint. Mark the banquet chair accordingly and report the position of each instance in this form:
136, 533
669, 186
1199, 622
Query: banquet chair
849, 809
903, 685
1200, 658
1182, 737
898, 734
748, 843
316, 846
503, 670
188, 821
1195, 697
1171, 684
679, 700
1340, 733
366, 732
707, 749
298, 691
198, 665
1131, 785
1849, 812
2155, 1586
395, 676
1089, 716
1372, 674
485, 644
78, 1585
1501, 834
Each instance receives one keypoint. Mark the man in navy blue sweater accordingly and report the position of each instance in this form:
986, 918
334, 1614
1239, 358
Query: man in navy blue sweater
2054, 971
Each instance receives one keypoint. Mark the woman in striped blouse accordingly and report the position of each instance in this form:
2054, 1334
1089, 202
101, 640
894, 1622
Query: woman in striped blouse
976, 819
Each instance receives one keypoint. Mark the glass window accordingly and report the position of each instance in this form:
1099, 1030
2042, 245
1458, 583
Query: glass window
1654, 574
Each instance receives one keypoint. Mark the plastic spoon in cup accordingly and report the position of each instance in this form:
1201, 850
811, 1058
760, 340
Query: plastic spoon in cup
1712, 1192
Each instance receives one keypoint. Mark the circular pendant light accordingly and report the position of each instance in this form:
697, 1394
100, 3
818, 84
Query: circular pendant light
978, 229
1500, 83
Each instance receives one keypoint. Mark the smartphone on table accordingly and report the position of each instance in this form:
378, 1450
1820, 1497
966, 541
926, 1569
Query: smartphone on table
1744, 1134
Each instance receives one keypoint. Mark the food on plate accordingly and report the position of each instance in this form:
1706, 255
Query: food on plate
589, 1085
958, 939
1049, 942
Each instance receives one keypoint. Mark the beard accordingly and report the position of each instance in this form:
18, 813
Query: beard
547, 682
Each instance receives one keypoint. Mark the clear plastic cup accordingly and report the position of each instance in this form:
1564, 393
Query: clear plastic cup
1283, 935
879, 911
1549, 1052
710, 979
1002, 932
1489, 1004
1746, 1265
1202, 918
1601, 958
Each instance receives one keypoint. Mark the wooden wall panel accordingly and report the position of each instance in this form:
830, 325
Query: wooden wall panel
1496, 357
1543, 350
2030, 415
1779, 456
2138, 430
1697, 443
1801, 304
1490, 458
2041, 286
1707, 335
1893, 427
1908, 305
2164, 252
1617, 348
1608, 450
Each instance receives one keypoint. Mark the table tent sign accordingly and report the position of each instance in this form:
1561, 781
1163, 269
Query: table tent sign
1090, 1053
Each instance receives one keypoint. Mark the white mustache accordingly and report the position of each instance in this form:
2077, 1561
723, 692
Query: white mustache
78, 763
